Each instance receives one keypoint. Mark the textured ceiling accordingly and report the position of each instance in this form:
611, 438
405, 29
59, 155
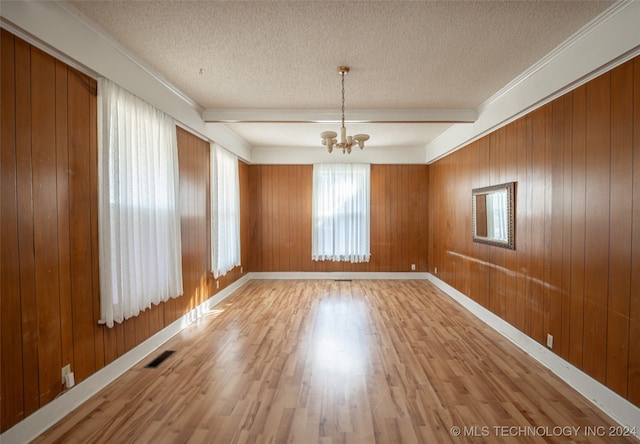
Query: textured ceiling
270, 55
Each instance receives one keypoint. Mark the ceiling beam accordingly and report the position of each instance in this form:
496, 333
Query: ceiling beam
333, 116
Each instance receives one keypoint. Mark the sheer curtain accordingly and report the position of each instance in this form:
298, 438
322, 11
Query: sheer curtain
138, 214
341, 212
225, 211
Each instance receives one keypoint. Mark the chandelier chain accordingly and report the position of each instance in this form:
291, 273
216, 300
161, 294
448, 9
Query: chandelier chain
342, 73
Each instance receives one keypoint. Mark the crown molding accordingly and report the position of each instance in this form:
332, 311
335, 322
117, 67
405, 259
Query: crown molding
607, 41
76, 40
558, 52
104, 35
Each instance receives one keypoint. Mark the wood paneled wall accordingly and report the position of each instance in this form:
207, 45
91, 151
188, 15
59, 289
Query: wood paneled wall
49, 228
49, 277
575, 272
280, 226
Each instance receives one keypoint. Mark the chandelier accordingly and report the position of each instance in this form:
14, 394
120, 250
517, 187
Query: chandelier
346, 142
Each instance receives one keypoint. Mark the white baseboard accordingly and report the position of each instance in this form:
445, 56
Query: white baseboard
338, 275
43, 418
605, 399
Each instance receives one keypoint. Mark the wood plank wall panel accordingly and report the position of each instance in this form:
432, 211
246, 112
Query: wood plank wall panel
43, 169
92, 114
566, 289
538, 182
64, 222
578, 220
634, 304
497, 297
522, 233
556, 223
574, 272
50, 302
280, 232
193, 159
511, 281
597, 225
12, 406
476, 177
83, 242
619, 285
26, 227
246, 205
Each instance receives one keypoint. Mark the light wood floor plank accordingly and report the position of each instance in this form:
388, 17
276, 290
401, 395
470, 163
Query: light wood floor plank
321, 361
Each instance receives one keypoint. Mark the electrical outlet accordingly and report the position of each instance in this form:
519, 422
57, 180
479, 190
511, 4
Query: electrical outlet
240, 270
435, 271
69, 380
65, 371
549, 341
413, 267
217, 284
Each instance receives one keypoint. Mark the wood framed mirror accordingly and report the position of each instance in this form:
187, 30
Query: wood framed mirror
493, 215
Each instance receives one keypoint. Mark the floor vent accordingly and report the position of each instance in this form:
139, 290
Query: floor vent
342, 280
160, 359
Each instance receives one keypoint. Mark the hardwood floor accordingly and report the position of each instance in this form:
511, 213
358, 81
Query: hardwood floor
322, 361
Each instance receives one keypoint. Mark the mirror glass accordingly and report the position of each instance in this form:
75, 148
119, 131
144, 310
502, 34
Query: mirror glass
493, 215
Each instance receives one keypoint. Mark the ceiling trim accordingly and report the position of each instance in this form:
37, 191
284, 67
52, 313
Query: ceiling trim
98, 30
572, 41
332, 116
79, 39
46, 48
607, 41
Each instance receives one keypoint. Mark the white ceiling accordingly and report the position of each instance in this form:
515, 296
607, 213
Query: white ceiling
269, 59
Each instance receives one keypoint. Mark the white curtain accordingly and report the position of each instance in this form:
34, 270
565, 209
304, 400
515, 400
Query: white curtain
341, 212
225, 211
138, 214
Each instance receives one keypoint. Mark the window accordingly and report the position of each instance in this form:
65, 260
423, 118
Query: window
138, 214
341, 211
225, 211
